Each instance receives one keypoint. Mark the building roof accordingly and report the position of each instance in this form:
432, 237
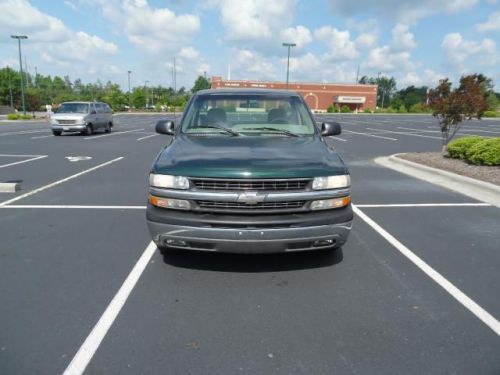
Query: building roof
245, 90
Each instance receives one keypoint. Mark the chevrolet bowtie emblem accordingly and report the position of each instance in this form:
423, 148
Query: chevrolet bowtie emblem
251, 197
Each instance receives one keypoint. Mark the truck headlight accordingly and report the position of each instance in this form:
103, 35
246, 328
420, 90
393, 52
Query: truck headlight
327, 204
168, 181
331, 182
175, 204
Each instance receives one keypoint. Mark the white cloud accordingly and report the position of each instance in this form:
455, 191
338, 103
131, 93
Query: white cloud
252, 65
304, 64
341, 47
366, 40
189, 53
254, 20
493, 23
428, 78
51, 40
385, 60
402, 38
157, 29
299, 35
458, 50
406, 11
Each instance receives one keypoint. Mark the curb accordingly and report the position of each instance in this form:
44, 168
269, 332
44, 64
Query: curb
9, 187
476, 189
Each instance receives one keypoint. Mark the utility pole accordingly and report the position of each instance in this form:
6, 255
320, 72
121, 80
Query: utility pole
36, 77
10, 88
288, 45
129, 105
378, 85
357, 76
19, 37
175, 78
146, 88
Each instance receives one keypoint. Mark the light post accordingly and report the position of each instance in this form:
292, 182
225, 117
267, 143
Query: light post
288, 45
129, 105
147, 94
19, 37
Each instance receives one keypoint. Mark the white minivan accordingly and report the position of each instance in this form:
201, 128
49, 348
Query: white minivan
83, 117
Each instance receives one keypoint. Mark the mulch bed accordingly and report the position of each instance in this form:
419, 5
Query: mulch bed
436, 160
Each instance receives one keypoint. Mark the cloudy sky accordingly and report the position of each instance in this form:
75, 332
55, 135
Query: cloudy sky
417, 42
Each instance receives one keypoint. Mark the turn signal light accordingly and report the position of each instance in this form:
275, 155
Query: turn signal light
175, 204
327, 204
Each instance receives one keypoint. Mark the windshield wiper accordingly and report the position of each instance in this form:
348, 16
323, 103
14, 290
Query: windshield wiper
282, 131
220, 127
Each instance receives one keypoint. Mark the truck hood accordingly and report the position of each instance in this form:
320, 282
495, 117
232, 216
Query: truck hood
248, 157
68, 116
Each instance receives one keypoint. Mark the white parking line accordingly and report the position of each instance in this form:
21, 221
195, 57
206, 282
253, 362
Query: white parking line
23, 132
456, 293
42, 136
58, 182
425, 205
146, 137
32, 158
93, 341
403, 133
371, 135
111, 134
73, 206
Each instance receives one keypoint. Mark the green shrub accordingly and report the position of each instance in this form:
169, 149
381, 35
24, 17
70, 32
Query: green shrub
25, 117
458, 148
345, 109
419, 108
491, 114
367, 110
402, 109
391, 110
486, 152
13, 116
330, 109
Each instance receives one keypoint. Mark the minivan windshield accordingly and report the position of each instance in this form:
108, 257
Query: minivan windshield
73, 108
241, 114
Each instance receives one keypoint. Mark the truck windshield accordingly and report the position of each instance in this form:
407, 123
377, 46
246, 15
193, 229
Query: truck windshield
248, 115
73, 108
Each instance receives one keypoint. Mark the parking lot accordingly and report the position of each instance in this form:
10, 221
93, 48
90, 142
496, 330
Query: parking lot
414, 290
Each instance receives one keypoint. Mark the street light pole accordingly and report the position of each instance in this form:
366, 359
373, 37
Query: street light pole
19, 37
129, 105
288, 45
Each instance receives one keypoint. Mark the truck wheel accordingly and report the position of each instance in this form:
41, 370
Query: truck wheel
56, 132
164, 250
89, 130
107, 129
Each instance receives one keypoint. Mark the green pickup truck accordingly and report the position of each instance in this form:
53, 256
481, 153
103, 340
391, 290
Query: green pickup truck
248, 171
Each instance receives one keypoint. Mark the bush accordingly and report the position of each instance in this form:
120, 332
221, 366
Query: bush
419, 108
491, 114
458, 148
13, 116
485, 152
345, 109
367, 110
402, 109
391, 110
330, 109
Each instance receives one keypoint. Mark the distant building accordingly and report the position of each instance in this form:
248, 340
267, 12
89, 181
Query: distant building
319, 96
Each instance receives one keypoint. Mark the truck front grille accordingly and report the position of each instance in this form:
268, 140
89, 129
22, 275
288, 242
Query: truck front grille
66, 122
251, 184
250, 208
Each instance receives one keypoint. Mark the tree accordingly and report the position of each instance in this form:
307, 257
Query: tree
139, 97
201, 83
386, 88
452, 106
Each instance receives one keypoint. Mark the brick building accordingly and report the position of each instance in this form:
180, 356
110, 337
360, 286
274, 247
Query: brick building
319, 96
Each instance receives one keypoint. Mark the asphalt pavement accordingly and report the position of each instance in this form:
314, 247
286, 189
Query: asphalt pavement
414, 290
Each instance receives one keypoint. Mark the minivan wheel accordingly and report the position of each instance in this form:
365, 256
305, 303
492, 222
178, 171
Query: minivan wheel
56, 132
89, 130
107, 129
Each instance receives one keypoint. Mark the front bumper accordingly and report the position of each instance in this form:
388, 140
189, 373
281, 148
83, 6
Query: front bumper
256, 237
69, 128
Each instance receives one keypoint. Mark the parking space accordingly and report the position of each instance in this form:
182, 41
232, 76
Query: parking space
414, 290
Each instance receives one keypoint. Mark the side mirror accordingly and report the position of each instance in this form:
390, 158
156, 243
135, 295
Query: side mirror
165, 127
93, 112
330, 128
